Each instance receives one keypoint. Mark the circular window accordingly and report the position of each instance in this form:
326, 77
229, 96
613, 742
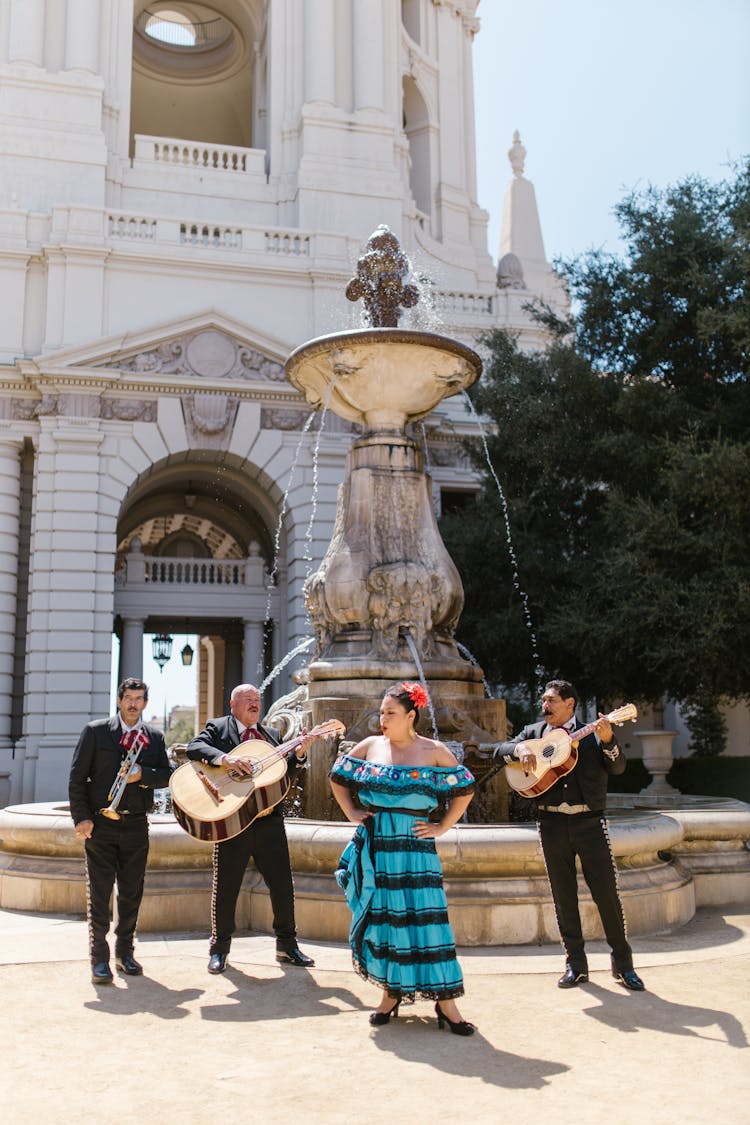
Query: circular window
170, 27
184, 29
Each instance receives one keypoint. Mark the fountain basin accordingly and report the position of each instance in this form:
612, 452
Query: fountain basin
668, 863
382, 378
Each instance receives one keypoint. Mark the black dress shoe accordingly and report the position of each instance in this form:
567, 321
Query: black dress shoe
630, 979
293, 955
101, 973
217, 962
572, 977
128, 964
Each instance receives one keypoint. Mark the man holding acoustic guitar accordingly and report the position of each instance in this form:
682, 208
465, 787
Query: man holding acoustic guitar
261, 835
564, 766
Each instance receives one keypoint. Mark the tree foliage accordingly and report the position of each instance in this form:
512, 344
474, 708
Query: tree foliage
623, 450
182, 730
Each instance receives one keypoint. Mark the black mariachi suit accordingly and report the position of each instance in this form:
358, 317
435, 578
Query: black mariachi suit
117, 849
564, 836
264, 841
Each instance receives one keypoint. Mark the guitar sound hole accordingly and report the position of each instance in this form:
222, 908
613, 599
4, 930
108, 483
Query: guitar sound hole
548, 751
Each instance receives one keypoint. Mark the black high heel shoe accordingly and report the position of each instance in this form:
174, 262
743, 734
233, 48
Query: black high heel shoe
458, 1027
377, 1019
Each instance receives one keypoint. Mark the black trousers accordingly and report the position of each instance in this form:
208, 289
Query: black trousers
564, 837
265, 841
116, 852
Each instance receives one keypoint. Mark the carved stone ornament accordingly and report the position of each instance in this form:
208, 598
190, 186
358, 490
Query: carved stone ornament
128, 410
448, 453
281, 419
402, 594
209, 419
25, 409
207, 354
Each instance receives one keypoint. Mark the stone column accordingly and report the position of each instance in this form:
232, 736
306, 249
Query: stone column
26, 38
252, 672
10, 487
233, 669
131, 648
320, 60
71, 600
82, 35
368, 55
213, 658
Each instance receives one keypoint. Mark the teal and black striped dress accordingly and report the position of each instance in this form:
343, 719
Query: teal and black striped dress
400, 934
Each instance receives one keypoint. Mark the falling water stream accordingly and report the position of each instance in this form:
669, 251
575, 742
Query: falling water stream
301, 647
538, 670
308, 557
420, 672
473, 660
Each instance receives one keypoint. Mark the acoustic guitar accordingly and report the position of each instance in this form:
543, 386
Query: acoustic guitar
212, 805
556, 754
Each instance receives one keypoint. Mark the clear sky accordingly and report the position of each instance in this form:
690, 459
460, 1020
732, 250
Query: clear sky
608, 95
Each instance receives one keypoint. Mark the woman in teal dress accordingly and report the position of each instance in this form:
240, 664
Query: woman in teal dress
390, 871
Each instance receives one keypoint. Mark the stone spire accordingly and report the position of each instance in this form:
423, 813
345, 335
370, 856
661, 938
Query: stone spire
522, 260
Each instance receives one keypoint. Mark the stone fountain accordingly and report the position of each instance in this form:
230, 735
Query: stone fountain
384, 604
387, 598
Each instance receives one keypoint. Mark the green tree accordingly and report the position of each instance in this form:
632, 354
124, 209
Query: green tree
624, 456
182, 730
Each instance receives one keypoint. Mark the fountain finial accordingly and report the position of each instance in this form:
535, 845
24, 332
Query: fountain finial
379, 281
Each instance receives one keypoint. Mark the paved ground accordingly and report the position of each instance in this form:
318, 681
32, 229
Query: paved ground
289, 1045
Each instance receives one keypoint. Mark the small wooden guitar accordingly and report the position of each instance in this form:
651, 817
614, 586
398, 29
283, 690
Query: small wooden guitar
556, 754
213, 805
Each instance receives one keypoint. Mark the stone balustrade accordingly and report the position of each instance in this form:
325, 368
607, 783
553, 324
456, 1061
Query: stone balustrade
145, 585
196, 572
199, 155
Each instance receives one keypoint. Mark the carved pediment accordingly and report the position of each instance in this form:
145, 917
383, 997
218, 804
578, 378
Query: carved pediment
208, 353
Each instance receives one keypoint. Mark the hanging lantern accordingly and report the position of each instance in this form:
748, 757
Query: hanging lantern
161, 649
187, 655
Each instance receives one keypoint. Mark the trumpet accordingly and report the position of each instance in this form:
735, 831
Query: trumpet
115, 794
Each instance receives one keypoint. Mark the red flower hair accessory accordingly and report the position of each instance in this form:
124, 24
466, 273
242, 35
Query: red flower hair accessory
416, 693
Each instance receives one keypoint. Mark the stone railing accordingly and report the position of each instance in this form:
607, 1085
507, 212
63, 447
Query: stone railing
125, 227
292, 244
133, 228
476, 304
216, 236
146, 586
196, 572
199, 155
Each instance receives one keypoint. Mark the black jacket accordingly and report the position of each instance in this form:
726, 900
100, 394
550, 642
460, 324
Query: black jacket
592, 768
96, 763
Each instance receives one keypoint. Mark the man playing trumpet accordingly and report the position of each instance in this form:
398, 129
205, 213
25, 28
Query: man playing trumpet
117, 764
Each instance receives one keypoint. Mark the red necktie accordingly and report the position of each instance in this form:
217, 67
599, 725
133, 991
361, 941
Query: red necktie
248, 733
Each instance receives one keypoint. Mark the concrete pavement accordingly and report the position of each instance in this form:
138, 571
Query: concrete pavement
287, 1044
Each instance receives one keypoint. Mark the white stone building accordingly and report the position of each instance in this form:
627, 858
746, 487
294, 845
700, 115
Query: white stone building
184, 190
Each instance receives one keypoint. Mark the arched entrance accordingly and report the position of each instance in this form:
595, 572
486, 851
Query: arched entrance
195, 547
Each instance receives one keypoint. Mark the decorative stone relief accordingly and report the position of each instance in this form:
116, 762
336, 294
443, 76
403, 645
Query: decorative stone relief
208, 354
25, 409
318, 612
281, 419
402, 595
128, 410
449, 454
209, 419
